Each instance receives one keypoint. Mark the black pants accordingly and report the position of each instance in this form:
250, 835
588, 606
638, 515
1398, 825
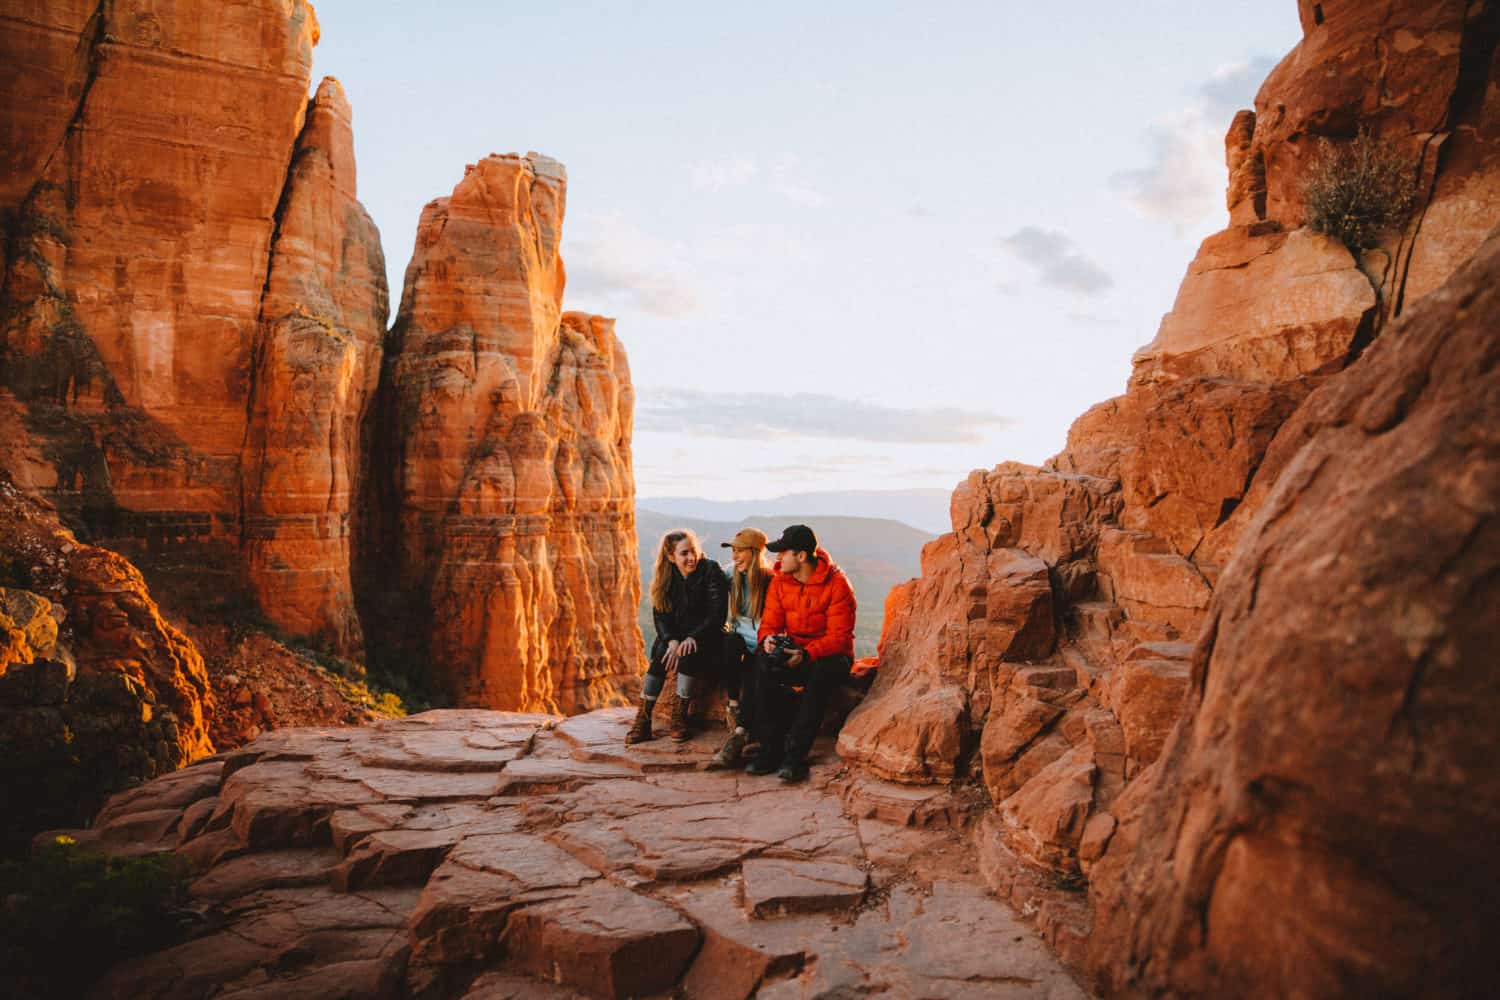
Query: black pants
788, 721
739, 677
701, 664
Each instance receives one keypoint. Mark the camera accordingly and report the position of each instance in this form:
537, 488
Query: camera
785, 646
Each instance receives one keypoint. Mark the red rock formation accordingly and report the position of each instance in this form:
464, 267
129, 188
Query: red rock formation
1134, 522
509, 494
132, 303
316, 360
97, 690
1322, 820
45, 64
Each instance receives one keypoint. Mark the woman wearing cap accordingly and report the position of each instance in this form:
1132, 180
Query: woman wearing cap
688, 605
747, 601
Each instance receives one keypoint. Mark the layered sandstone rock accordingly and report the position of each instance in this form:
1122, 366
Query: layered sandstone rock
1334, 766
97, 690
486, 854
316, 361
503, 438
1134, 523
133, 301
46, 55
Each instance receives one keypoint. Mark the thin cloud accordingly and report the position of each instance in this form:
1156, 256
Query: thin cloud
614, 265
789, 180
758, 415
1057, 263
1184, 179
715, 175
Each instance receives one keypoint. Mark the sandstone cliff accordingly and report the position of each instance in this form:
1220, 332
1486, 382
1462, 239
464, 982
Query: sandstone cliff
1335, 762
97, 690
314, 364
192, 325
505, 495
139, 246
1048, 645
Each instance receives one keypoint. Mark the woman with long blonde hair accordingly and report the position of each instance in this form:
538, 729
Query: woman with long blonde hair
688, 605
747, 601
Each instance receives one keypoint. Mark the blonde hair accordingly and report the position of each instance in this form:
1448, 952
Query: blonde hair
661, 582
748, 598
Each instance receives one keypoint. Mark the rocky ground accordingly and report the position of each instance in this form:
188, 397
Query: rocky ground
489, 854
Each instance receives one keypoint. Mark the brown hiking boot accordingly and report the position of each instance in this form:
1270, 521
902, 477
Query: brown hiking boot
640, 729
679, 731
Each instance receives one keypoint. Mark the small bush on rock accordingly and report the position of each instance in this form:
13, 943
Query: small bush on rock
68, 914
1357, 191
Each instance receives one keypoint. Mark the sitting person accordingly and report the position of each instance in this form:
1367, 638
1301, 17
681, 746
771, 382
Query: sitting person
747, 600
688, 605
806, 641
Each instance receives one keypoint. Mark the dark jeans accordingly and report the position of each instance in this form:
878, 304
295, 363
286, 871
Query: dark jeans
788, 721
739, 677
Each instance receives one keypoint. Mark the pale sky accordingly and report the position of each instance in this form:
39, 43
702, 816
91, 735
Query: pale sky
850, 245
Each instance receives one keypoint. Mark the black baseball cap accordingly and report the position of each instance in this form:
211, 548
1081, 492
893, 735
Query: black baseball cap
797, 538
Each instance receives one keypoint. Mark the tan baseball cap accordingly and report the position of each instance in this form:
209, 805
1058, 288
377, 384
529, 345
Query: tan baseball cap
746, 538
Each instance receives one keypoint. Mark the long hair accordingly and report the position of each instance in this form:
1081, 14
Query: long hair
748, 598
661, 582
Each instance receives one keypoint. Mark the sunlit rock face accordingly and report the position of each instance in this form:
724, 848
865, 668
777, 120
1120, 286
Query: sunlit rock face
316, 361
97, 690
193, 300
505, 496
1335, 754
1049, 645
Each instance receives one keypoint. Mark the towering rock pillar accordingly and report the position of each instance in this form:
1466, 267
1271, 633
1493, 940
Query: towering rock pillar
506, 493
316, 360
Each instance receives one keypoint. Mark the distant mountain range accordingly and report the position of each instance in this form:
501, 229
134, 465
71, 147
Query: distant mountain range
926, 509
875, 553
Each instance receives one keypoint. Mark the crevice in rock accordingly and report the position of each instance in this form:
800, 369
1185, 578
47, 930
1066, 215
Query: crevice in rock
91, 38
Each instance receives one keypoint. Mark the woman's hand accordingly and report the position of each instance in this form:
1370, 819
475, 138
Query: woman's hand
687, 647
670, 660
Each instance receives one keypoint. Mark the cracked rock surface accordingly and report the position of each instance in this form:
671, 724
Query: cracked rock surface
493, 854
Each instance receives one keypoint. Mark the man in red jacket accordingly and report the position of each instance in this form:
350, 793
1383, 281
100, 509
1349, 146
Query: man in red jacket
807, 643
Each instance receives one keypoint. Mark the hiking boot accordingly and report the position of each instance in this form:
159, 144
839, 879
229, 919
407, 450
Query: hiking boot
729, 754
679, 732
640, 729
792, 772
763, 763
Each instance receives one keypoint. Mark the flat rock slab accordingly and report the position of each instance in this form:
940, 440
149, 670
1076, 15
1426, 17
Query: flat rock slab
778, 885
606, 941
533, 774
494, 856
265, 870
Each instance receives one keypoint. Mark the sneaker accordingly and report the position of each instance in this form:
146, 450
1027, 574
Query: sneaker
792, 772
729, 754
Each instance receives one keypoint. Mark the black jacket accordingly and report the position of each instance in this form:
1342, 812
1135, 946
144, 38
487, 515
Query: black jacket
700, 604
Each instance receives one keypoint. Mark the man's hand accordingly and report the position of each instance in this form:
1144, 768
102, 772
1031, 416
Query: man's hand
770, 644
687, 647
795, 658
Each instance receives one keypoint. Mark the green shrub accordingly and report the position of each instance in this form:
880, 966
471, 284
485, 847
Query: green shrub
1358, 191
67, 915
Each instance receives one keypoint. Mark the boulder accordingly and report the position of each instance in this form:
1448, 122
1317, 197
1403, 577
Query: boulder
1333, 765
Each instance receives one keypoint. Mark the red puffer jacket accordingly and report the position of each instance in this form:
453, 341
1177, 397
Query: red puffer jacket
819, 614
